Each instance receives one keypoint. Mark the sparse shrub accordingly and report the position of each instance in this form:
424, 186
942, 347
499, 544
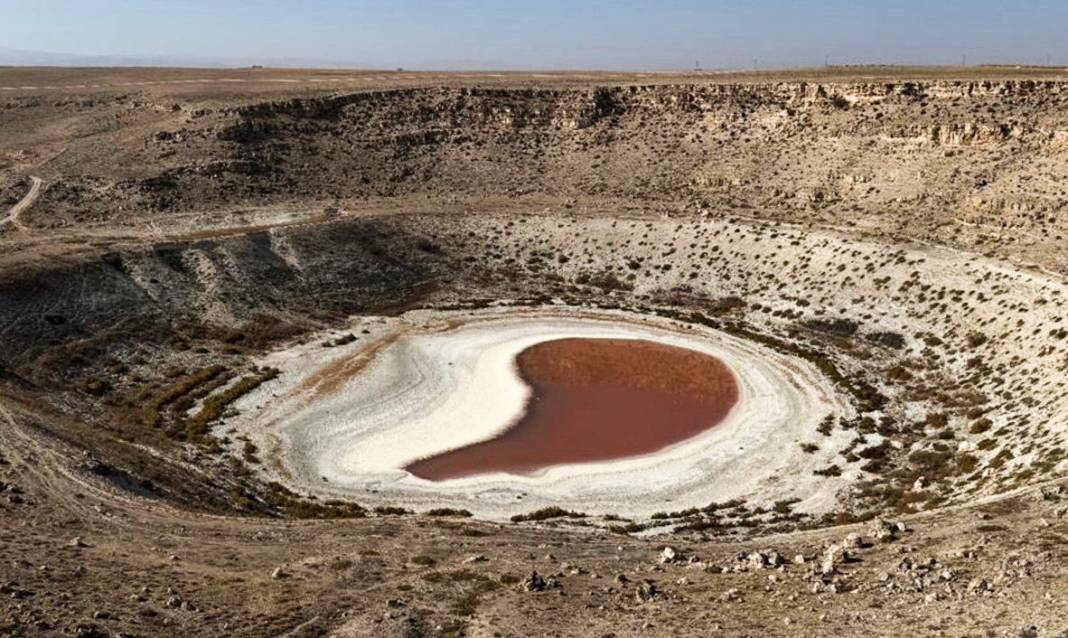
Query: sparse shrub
95, 387
702, 525
937, 420
341, 564
448, 511
899, 374
887, 339
197, 426
386, 510
967, 463
836, 327
150, 412
249, 452
629, 528
981, 425
826, 425
428, 246
545, 514
785, 506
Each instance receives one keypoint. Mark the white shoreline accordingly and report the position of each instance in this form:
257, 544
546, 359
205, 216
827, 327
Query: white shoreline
432, 390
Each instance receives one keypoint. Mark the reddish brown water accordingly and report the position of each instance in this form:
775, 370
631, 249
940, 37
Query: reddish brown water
597, 400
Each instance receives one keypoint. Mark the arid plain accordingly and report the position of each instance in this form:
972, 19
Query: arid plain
237, 306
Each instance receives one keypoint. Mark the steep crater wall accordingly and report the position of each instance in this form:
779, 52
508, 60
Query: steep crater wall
961, 161
954, 364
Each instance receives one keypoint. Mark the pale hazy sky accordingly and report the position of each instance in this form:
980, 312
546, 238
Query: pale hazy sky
547, 34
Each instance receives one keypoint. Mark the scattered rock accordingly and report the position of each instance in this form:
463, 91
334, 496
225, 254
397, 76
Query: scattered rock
765, 559
669, 555
755, 560
883, 531
534, 583
1051, 493
89, 630
980, 586
647, 590
834, 556
730, 596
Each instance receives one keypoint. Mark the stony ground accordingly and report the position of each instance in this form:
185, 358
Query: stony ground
185, 221
83, 560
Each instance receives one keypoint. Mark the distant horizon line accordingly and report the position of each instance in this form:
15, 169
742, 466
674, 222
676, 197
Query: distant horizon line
28, 58
383, 69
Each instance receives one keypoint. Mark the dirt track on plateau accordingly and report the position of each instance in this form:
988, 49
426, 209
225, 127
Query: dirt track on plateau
27, 201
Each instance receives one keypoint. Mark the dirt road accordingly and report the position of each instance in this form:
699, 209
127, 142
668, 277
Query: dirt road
24, 203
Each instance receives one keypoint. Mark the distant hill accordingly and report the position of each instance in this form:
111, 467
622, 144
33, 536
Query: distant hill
21, 57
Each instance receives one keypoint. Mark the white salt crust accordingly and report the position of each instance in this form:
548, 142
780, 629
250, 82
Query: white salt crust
442, 380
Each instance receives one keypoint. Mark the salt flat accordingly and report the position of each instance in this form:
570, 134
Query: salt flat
447, 379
